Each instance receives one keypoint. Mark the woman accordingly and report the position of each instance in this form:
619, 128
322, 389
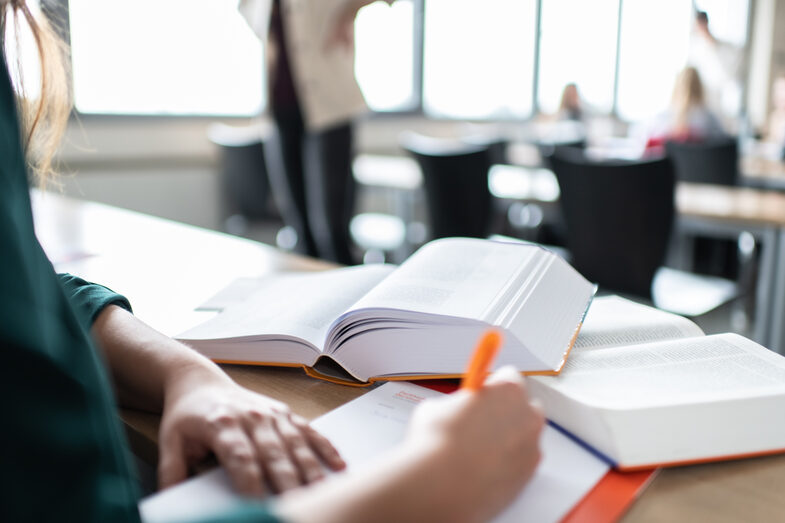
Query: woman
688, 119
64, 447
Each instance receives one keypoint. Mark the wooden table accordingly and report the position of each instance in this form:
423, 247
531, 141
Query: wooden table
181, 266
762, 170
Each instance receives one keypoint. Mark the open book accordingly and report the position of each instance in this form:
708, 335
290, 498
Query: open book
646, 388
420, 320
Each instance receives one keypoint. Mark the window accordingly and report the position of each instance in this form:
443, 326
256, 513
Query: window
384, 55
653, 48
462, 59
24, 66
479, 58
727, 19
177, 57
578, 45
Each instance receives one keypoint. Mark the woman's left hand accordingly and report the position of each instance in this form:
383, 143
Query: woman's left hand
259, 441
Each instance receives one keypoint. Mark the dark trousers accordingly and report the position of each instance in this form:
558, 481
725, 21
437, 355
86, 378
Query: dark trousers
311, 180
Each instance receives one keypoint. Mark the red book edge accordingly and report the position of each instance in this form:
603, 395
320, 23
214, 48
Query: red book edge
611, 497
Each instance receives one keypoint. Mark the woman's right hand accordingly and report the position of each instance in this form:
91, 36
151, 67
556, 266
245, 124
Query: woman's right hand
487, 440
465, 458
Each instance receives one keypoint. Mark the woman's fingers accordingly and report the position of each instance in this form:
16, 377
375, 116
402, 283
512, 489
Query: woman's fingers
299, 449
321, 445
272, 453
506, 373
173, 466
238, 455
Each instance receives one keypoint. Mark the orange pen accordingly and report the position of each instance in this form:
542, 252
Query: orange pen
481, 361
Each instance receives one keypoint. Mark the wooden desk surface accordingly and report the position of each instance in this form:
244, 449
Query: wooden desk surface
166, 258
731, 204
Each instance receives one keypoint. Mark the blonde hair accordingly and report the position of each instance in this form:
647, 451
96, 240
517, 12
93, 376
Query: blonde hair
687, 95
43, 119
570, 98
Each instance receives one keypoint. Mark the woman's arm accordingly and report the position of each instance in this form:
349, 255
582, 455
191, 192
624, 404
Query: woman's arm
466, 457
257, 439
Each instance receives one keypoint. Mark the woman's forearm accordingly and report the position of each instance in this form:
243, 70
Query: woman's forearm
142, 360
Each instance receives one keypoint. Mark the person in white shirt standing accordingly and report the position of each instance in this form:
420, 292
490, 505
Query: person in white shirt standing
720, 67
313, 97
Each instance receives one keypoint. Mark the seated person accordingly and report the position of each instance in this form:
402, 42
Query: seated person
570, 106
688, 119
775, 130
466, 457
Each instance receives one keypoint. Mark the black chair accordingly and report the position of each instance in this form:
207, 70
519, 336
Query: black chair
619, 217
455, 176
243, 172
712, 162
715, 161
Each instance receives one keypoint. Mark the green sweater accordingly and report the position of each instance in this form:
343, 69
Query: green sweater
64, 453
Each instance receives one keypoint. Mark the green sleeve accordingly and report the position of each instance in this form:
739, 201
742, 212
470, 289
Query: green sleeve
246, 513
89, 299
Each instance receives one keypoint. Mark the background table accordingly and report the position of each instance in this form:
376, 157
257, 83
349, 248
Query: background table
166, 269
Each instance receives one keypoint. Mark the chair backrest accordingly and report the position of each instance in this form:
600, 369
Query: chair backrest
716, 161
244, 180
619, 217
455, 175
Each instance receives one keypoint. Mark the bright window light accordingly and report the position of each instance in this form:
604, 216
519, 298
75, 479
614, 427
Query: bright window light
173, 57
654, 45
578, 45
727, 19
24, 66
479, 58
384, 55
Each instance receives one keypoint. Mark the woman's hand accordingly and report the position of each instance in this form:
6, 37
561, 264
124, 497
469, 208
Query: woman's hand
488, 440
341, 35
465, 458
257, 439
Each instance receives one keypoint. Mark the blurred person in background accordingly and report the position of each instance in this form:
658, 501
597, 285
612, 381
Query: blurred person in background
313, 98
719, 65
688, 119
775, 128
570, 107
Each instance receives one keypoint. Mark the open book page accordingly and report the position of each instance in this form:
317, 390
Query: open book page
458, 277
372, 424
447, 293
690, 370
294, 305
671, 401
613, 321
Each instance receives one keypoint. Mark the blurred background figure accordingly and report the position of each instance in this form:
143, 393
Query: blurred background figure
570, 107
313, 98
688, 119
775, 128
719, 64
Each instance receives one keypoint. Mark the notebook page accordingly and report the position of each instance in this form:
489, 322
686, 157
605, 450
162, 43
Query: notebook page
613, 321
298, 305
375, 422
372, 424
